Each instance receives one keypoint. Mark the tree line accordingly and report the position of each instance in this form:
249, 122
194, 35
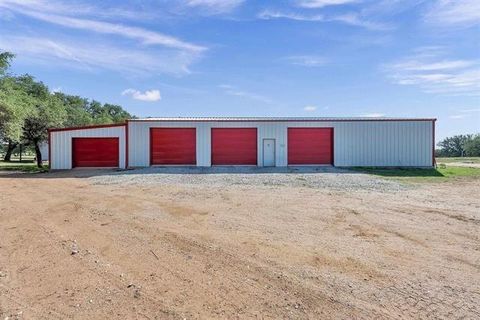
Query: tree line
28, 109
459, 146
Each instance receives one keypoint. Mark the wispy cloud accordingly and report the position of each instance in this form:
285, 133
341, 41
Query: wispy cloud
322, 3
149, 95
215, 6
310, 108
156, 53
85, 56
357, 20
270, 14
75, 9
458, 13
307, 60
235, 91
473, 110
457, 116
432, 72
147, 37
352, 19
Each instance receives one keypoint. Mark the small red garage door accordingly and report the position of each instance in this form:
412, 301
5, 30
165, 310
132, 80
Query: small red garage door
310, 146
173, 146
94, 152
234, 146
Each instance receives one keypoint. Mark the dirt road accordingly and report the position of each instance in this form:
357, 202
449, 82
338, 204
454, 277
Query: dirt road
71, 247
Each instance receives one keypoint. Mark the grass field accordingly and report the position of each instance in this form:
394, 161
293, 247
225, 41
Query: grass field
24, 166
459, 159
442, 173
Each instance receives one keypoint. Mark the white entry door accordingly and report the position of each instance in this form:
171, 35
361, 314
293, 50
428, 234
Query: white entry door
269, 152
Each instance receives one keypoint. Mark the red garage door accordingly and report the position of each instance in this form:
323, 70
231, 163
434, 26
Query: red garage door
310, 146
94, 152
173, 146
234, 146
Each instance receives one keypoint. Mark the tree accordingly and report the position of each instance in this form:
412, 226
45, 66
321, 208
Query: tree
28, 109
5, 59
472, 146
49, 114
17, 96
76, 108
116, 113
454, 146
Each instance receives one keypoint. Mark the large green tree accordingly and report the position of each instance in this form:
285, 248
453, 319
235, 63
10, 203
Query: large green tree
48, 113
472, 147
18, 95
28, 109
76, 108
454, 146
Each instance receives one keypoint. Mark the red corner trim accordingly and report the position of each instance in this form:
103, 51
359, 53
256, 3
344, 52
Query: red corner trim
50, 149
126, 144
433, 143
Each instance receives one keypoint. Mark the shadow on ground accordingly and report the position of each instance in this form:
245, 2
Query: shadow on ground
400, 172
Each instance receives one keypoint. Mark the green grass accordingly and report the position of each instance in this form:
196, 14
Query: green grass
458, 159
442, 173
24, 166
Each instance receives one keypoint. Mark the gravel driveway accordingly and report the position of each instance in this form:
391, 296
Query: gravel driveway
310, 177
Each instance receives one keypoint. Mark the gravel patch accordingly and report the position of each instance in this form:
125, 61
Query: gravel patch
309, 177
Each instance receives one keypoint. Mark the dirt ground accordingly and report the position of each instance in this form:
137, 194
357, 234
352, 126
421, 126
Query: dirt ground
72, 248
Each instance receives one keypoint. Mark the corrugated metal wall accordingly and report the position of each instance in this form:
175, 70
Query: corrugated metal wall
356, 143
61, 144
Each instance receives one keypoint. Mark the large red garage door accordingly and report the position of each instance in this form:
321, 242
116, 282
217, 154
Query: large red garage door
234, 146
310, 146
173, 146
94, 152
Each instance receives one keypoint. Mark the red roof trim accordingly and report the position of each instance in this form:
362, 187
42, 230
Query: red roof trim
88, 127
286, 120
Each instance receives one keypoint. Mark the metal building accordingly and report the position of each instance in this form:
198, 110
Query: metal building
343, 142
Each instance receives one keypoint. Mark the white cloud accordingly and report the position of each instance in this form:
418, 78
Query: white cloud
460, 13
307, 60
149, 95
457, 116
96, 56
432, 72
373, 115
268, 15
145, 36
215, 6
234, 91
140, 51
470, 110
76, 9
357, 20
310, 108
322, 3
351, 19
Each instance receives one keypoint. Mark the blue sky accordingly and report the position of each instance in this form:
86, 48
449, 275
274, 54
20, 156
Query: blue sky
406, 58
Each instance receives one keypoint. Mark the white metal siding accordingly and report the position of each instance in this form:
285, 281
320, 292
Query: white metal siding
356, 143
61, 144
